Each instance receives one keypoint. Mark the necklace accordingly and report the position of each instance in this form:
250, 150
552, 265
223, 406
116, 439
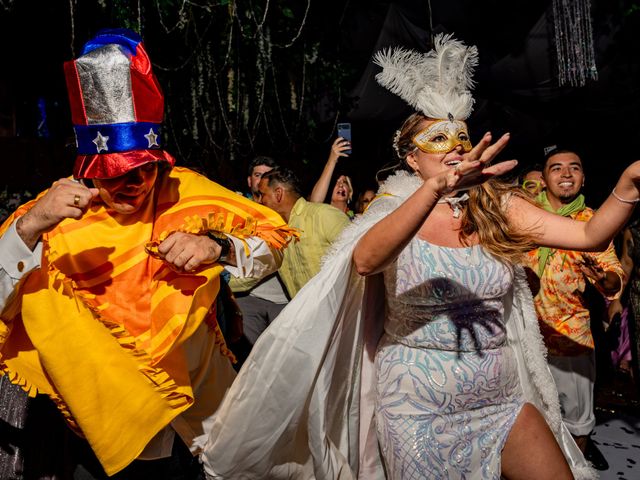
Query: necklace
455, 203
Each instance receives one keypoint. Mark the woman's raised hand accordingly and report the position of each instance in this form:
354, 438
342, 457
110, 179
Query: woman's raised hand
475, 167
339, 147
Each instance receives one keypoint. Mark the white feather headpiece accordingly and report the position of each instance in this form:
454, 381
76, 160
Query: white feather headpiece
436, 83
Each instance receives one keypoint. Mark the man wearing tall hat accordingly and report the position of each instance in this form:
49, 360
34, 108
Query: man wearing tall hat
109, 279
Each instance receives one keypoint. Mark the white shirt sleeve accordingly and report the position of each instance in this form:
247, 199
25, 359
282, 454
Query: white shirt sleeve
16, 260
261, 261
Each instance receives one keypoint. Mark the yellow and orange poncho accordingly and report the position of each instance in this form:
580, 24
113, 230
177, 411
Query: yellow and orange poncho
99, 327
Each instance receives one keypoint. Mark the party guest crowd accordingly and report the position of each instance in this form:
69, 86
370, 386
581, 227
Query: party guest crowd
435, 327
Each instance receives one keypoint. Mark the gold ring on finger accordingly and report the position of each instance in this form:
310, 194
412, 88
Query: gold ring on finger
76, 200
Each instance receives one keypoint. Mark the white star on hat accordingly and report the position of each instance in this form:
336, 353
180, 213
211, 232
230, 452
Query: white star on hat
101, 143
151, 138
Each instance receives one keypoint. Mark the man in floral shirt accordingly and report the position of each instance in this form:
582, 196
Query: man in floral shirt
560, 303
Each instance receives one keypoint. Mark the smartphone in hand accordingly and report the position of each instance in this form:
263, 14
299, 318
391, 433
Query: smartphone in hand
344, 131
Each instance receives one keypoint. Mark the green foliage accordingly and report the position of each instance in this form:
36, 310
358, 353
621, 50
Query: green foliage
287, 12
124, 15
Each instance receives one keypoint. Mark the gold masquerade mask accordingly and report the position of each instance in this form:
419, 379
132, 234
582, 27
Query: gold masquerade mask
443, 137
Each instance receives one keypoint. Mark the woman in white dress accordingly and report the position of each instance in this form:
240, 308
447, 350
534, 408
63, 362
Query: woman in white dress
448, 398
437, 357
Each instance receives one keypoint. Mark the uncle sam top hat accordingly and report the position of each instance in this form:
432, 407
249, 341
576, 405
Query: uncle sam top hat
117, 106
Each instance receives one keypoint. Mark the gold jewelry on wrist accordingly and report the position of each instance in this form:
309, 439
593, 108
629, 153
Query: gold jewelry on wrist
623, 200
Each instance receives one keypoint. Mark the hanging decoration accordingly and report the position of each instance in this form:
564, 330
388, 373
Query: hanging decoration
250, 77
6, 5
241, 77
574, 42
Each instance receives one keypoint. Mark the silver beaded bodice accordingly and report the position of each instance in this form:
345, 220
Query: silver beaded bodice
446, 298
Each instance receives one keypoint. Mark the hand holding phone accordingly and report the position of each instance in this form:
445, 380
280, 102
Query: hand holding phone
344, 131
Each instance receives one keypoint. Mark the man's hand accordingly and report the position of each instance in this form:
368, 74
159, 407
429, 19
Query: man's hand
186, 251
615, 310
608, 281
65, 199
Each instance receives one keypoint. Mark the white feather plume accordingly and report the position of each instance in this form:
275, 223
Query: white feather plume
437, 83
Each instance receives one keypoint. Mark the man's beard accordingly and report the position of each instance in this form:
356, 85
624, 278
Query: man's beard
568, 198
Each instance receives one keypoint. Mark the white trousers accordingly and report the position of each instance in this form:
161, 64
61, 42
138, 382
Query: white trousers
574, 377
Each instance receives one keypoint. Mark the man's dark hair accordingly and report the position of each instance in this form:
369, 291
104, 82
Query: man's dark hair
286, 177
532, 167
556, 151
261, 160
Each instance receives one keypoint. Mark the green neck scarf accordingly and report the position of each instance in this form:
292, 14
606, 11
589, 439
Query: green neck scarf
566, 211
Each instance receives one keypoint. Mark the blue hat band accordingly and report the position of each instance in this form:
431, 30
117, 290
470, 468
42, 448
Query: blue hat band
120, 36
117, 137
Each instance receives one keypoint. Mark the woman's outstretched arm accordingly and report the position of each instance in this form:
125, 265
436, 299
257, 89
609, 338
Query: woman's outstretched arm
555, 231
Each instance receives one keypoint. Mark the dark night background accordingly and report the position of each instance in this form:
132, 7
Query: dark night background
241, 81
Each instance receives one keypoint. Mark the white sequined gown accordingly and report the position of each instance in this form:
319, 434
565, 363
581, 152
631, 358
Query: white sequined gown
447, 388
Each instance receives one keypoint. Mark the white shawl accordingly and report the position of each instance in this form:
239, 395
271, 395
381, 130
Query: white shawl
302, 406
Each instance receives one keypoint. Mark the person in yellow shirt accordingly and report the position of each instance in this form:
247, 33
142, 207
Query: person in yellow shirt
319, 225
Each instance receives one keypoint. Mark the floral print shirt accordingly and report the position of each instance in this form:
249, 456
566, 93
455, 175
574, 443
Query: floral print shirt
560, 304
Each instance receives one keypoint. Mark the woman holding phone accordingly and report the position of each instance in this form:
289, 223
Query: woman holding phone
342, 193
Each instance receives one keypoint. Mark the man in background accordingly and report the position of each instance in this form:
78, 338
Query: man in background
258, 167
560, 303
533, 181
319, 225
260, 300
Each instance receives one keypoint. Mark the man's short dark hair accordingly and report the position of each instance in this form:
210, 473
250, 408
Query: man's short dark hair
261, 160
286, 177
556, 151
532, 167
